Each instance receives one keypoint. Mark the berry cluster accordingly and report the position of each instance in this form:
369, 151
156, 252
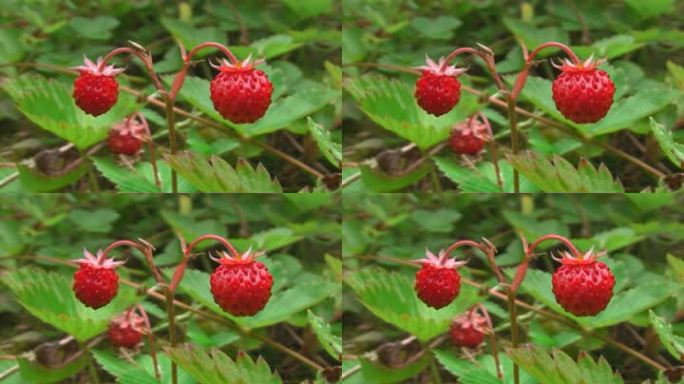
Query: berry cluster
583, 286
240, 93
240, 285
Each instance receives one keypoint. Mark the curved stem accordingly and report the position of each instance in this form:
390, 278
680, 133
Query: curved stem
150, 338
487, 57
146, 59
212, 44
492, 149
222, 240
492, 339
560, 238
515, 92
554, 44
173, 145
123, 243
487, 248
91, 364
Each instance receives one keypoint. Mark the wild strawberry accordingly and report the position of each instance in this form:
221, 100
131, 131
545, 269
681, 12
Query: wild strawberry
469, 136
582, 285
96, 281
438, 282
468, 330
583, 93
438, 89
241, 93
127, 137
96, 90
241, 286
126, 330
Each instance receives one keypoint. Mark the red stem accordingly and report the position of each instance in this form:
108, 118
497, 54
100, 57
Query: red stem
560, 238
122, 243
487, 57
150, 337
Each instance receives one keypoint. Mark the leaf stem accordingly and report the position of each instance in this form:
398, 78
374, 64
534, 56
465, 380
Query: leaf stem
91, 363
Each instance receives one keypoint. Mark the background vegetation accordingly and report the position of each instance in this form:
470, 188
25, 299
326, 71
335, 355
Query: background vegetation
48, 144
390, 144
39, 235
390, 336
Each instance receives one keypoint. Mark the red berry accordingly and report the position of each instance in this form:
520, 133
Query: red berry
241, 93
438, 89
437, 94
96, 90
583, 286
583, 93
96, 281
123, 335
465, 335
465, 143
123, 143
241, 286
438, 282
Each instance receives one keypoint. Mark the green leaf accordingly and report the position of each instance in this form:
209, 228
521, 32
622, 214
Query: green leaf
610, 240
33, 180
96, 28
611, 47
623, 113
127, 373
11, 46
330, 342
215, 367
307, 98
309, 8
378, 181
49, 104
482, 371
440, 28
673, 343
141, 178
651, 8
282, 305
623, 306
49, 297
391, 297
482, 178
558, 175
191, 36
216, 175
375, 373
532, 36
390, 104
559, 368
672, 149
533, 227
331, 150
97, 220
35, 372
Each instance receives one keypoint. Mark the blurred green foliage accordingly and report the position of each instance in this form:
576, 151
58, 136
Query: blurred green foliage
383, 233
382, 40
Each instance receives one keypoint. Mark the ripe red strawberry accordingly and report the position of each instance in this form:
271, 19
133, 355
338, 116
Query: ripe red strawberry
438, 282
127, 137
583, 93
96, 90
96, 281
583, 286
126, 330
241, 93
241, 286
438, 89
